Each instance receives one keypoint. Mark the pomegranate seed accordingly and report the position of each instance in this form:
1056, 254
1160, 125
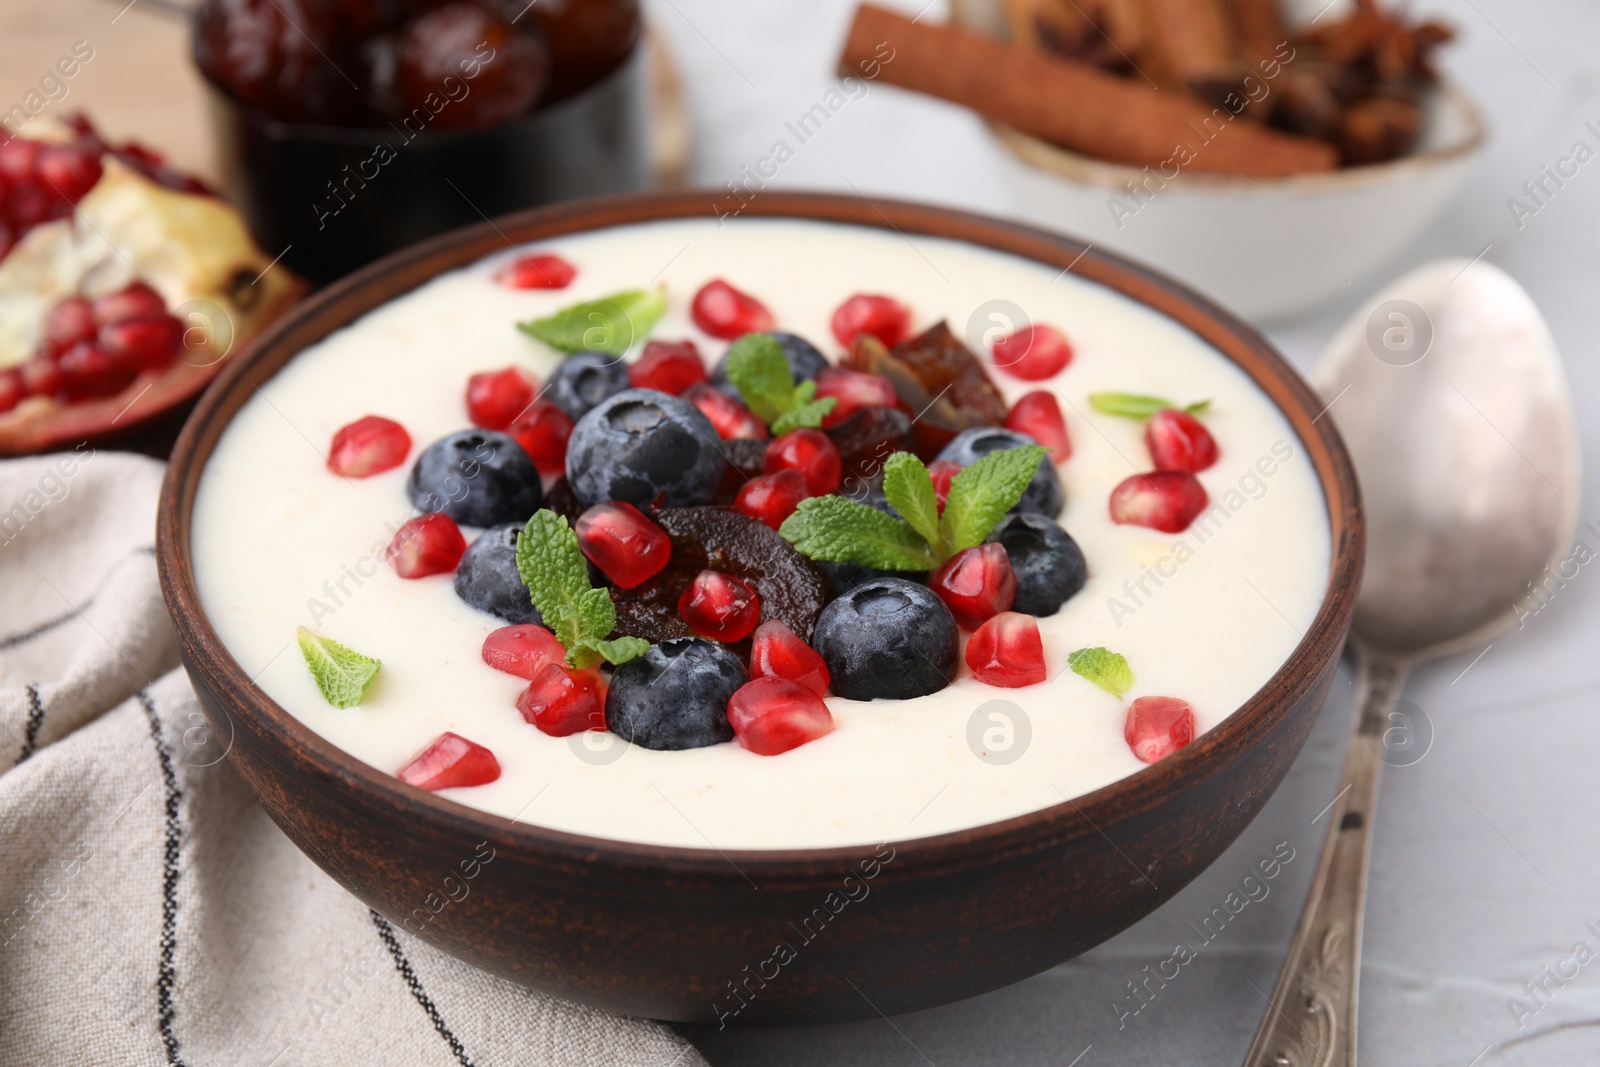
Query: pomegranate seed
1178, 442
495, 398
1158, 726
1033, 353
136, 301
771, 497
12, 389
522, 650
976, 584
537, 272
368, 446
1038, 415
1007, 651
450, 762
771, 715
777, 652
943, 472
41, 377
564, 700
719, 606
542, 430
69, 322
627, 547
68, 172
812, 453
667, 366
144, 343
1162, 500
730, 418
88, 371
427, 544
881, 316
853, 390
723, 311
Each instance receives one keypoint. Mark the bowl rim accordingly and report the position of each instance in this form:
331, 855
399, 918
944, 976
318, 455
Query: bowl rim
346, 300
1039, 154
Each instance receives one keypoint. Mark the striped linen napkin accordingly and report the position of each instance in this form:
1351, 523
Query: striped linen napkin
150, 912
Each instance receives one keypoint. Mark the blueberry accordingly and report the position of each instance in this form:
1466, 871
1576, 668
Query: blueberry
584, 379
1046, 560
477, 477
1043, 495
843, 577
487, 576
641, 444
805, 361
887, 638
676, 695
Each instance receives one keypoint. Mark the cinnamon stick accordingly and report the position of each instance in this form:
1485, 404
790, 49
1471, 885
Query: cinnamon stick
1070, 104
1190, 41
1259, 25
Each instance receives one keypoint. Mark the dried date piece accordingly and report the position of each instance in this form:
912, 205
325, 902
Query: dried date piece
791, 587
938, 380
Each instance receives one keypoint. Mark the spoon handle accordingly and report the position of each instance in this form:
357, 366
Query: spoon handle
1311, 1018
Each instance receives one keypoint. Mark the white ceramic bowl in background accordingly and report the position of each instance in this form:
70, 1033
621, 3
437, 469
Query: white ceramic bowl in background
1267, 249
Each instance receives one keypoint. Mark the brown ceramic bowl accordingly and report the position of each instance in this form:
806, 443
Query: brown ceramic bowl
673, 932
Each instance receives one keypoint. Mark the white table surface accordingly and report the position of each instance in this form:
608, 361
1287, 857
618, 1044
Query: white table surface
1484, 865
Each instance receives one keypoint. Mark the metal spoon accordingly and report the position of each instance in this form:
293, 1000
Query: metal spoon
1449, 393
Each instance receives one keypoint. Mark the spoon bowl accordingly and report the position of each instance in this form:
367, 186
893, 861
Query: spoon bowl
1451, 393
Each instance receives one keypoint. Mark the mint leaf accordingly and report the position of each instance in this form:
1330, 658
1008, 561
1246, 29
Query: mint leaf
980, 495
810, 413
834, 528
621, 650
757, 368
553, 569
1134, 406
910, 491
597, 616
1104, 668
344, 676
609, 324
